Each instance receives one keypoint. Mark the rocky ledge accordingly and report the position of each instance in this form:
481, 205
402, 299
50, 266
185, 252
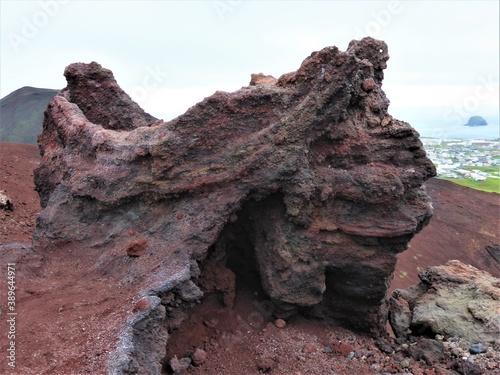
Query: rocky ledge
305, 181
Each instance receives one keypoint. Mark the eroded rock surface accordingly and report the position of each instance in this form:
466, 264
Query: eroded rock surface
455, 300
309, 182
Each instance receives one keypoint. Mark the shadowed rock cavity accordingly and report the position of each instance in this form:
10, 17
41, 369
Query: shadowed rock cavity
310, 173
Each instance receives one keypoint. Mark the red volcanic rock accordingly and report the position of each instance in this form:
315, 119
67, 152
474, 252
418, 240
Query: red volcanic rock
342, 348
105, 106
307, 186
280, 323
199, 357
141, 305
261, 79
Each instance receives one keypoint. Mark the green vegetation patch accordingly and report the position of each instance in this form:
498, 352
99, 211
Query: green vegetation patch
491, 185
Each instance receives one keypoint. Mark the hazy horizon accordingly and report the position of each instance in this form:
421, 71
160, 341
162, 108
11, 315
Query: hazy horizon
428, 124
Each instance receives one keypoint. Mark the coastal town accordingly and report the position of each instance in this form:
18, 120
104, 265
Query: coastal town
473, 160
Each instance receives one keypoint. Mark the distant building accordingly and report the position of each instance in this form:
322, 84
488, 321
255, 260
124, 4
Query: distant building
431, 141
478, 177
481, 143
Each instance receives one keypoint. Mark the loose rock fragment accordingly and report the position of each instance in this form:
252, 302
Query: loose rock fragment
199, 357
5, 202
280, 323
179, 365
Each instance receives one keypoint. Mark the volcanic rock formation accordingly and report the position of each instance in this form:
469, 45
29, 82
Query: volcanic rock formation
307, 182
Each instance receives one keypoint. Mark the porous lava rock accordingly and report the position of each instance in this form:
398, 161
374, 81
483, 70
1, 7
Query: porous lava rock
262, 79
454, 300
308, 181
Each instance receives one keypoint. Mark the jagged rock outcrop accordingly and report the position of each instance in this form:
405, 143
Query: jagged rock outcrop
455, 300
308, 181
262, 79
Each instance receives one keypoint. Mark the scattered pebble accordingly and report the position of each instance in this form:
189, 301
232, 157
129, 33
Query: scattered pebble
466, 367
211, 323
457, 352
384, 345
265, 365
490, 352
199, 357
477, 348
309, 348
481, 355
179, 365
375, 367
405, 363
365, 353
280, 323
342, 348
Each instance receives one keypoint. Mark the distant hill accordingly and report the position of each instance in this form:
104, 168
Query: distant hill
21, 114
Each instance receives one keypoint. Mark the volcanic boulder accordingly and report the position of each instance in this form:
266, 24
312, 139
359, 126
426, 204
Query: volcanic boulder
309, 180
455, 300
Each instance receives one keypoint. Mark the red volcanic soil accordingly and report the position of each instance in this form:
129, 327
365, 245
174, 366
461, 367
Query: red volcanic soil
465, 221
16, 179
243, 340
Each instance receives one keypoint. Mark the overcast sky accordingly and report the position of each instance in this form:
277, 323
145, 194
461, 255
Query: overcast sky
168, 55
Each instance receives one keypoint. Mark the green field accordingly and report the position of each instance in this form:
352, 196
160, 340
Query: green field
491, 185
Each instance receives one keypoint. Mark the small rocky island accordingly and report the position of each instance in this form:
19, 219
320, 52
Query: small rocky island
476, 121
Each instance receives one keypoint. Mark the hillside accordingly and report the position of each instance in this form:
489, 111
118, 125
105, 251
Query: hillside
465, 221
21, 114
